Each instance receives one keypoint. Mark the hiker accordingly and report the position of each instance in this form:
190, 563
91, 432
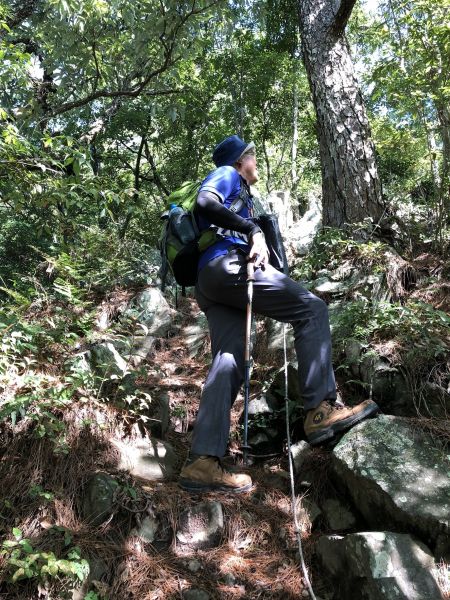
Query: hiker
225, 202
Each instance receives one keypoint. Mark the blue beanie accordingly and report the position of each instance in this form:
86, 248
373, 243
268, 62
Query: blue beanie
230, 150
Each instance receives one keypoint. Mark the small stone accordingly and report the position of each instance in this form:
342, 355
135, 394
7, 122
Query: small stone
201, 526
194, 565
300, 451
305, 594
99, 498
229, 579
147, 529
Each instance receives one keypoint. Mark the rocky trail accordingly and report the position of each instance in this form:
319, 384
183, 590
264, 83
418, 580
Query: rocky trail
90, 508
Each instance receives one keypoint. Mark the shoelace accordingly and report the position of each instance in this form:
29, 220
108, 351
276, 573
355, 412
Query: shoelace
220, 465
335, 406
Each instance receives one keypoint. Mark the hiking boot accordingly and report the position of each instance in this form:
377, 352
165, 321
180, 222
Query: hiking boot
322, 423
206, 474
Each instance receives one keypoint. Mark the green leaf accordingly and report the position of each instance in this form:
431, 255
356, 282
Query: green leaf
17, 533
26, 546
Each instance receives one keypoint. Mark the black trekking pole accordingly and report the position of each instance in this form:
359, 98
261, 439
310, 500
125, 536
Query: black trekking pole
247, 360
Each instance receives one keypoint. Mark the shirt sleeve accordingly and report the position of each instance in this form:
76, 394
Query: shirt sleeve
224, 182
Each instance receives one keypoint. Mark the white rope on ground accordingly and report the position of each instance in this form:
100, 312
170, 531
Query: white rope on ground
291, 471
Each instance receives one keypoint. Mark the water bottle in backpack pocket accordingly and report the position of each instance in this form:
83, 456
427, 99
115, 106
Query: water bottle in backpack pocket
182, 224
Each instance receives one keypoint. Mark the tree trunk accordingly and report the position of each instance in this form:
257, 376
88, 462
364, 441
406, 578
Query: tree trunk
444, 196
294, 146
350, 184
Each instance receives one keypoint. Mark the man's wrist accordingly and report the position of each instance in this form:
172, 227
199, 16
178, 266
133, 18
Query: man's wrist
254, 231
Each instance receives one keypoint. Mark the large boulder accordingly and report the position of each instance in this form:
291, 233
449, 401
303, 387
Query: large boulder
302, 234
150, 309
147, 459
338, 514
397, 477
107, 362
379, 565
279, 203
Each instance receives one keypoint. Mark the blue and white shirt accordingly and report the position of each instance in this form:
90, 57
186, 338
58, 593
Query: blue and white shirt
226, 183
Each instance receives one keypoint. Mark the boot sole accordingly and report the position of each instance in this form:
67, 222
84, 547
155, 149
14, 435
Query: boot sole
197, 487
327, 434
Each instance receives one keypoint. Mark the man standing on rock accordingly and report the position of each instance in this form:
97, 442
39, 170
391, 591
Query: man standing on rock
225, 203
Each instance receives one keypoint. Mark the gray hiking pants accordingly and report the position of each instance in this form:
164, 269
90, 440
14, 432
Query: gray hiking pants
221, 292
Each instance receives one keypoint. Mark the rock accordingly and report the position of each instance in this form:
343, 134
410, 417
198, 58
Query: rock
258, 439
106, 361
275, 335
278, 385
301, 451
79, 363
279, 204
392, 392
195, 594
325, 286
437, 402
353, 351
338, 515
264, 404
163, 412
389, 388
201, 526
150, 308
98, 568
141, 347
371, 286
229, 579
303, 232
335, 310
148, 459
379, 565
147, 529
99, 498
311, 512
397, 477
194, 565
196, 335
157, 414
343, 271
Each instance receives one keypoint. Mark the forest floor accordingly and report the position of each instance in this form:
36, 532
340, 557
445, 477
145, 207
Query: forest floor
257, 557
47, 459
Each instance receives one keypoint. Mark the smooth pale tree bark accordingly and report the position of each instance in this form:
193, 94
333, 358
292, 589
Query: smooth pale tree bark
350, 183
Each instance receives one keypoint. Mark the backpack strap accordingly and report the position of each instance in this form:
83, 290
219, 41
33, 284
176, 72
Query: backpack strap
242, 199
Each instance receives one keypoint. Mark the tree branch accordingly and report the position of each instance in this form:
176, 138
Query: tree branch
97, 70
159, 184
342, 16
